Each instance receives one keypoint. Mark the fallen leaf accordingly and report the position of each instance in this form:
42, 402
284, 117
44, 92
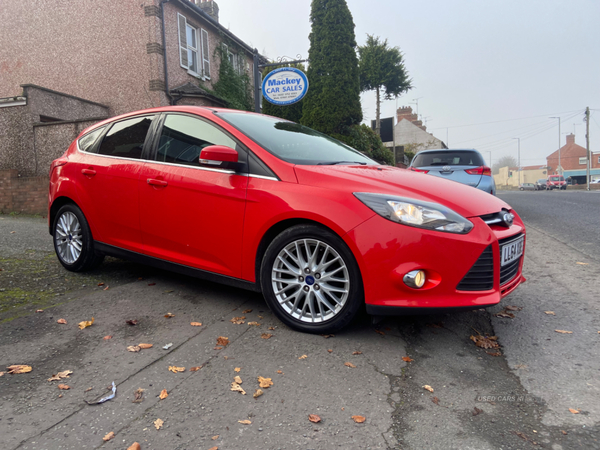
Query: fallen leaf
169, 315
158, 423
59, 375
477, 411
64, 387
237, 379
223, 341
100, 284
349, 364
582, 263
327, 336
132, 322
196, 324
18, 368
39, 310
195, 369
266, 335
574, 411
133, 348
151, 284
314, 418
238, 320
237, 388
88, 389
214, 438
214, 448
105, 289
303, 357
2, 373
60, 396
245, 422
163, 394
138, 396
435, 400
218, 348
257, 393
256, 324
86, 323
271, 328
237, 369
280, 372
505, 314
359, 419
246, 311
563, 432
134, 446
485, 342
407, 359
264, 382
175, 369
330, 350
380, 332
564, 331
550, 313
494, 353
108, 437
429, 388
513, 308
144, 346
260, 317
106, 338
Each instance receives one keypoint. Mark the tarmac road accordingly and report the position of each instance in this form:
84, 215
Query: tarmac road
538, 377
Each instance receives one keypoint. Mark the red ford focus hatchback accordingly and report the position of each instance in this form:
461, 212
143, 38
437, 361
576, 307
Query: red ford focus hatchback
272, 206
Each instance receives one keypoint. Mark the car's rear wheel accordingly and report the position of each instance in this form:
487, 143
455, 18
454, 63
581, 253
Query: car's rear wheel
311, 280
73, 240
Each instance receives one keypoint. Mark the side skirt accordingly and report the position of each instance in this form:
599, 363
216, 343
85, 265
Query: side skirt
105, 249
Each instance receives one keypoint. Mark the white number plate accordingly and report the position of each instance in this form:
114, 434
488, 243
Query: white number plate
511, 251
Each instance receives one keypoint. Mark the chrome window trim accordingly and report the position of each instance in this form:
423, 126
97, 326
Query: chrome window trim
208, 169
263, 177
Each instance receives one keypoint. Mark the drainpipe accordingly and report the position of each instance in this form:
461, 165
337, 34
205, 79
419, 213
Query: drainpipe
172, 101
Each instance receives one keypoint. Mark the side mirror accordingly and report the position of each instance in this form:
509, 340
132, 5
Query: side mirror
218, 155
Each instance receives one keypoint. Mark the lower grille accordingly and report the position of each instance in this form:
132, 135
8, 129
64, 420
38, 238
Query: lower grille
481, 275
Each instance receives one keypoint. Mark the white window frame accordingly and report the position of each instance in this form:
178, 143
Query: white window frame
583, 160
201, 50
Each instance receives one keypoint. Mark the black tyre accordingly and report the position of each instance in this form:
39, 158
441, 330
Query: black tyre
311, 280
73, 240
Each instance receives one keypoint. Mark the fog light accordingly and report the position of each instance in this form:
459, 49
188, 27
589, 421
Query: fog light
415, 279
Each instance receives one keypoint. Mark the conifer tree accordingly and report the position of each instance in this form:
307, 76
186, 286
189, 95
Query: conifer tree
332, 103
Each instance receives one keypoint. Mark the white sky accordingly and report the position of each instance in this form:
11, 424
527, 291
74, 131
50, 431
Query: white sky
484, 71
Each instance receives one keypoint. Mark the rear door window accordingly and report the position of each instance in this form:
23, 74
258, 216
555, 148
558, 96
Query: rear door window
126, 138
87, 142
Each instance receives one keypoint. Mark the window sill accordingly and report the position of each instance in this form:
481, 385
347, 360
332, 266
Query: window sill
195, 75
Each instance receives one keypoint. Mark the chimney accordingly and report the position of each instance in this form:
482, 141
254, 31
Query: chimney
210, 7
570, 139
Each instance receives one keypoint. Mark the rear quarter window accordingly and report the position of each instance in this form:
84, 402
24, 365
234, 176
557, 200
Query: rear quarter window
87, 143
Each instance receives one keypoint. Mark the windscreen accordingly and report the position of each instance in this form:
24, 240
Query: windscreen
557, 178
447, 158
293, 142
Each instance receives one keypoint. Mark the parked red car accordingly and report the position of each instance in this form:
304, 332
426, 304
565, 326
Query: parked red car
556, 182
269, 205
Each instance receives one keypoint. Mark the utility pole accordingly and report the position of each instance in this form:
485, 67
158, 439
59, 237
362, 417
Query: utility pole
519, 159
559, 166
587, 145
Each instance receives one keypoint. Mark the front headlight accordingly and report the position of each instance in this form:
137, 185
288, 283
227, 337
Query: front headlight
416, 213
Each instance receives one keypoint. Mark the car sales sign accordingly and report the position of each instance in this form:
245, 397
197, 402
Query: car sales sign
285, 86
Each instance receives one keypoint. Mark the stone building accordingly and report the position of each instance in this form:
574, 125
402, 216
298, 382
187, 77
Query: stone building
66, 64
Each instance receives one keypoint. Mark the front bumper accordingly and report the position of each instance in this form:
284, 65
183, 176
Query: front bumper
386, 251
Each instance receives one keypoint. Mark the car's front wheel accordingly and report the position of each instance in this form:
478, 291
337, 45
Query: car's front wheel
73, 240
311, 280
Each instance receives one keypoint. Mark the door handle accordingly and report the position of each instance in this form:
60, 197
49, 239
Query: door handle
154, 182
88, 172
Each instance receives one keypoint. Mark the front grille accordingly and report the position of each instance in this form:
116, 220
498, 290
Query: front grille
509, 271
481, 275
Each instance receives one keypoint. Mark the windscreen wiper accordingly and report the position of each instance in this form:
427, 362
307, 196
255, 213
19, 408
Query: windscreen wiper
333, 163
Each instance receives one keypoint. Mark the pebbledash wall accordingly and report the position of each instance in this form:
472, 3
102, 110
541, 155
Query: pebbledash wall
89, 60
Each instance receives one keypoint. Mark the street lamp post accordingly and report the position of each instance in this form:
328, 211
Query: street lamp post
559, 166
519, 158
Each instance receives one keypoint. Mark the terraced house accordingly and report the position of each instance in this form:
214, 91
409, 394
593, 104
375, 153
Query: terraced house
65, 65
